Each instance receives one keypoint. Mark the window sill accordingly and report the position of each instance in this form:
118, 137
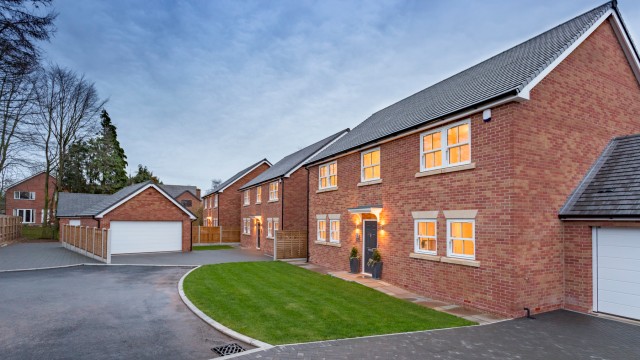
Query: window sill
446, 170
370, 182
328, 243
272, 201
465, 262
326, 189
258, 202
435, 258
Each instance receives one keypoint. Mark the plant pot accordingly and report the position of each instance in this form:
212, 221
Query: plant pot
376, 272
355, 265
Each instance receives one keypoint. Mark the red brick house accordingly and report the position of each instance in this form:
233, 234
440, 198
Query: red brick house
460, 185
26, 198
277, 198
142, 217
187, 195
222, 205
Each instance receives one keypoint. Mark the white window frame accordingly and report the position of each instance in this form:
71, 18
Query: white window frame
450, 239
273, 191
259, 195
324, 229
362, 154
332, 232
215, 200
16, 212
270, 228
416, 242
16, 195
215, 222
247, 198
328, 176
276, 225
444, 146
246, 226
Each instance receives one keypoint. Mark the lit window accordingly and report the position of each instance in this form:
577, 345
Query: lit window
461, 239
215, 222
258, 194
273, 191
328, 175
276, 225
425, 236
270, 228
24, 195
334, 232
322, 230
371, 165
246, 197
448, 146
246, 226
215, 201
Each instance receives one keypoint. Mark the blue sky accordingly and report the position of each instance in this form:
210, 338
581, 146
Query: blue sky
201, 89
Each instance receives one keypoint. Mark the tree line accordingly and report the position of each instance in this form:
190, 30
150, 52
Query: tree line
52, 118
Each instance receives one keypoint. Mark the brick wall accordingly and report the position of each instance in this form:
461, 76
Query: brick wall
86, 221
528, 158
295, 201
266, 209
35, 184
151, 205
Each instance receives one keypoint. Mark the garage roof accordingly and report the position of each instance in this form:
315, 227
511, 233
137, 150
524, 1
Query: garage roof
611, 189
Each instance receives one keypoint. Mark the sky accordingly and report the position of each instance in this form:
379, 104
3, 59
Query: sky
202, 89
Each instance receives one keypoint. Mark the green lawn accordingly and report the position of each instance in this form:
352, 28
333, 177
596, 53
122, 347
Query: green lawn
38, 232
212, 247
280, 303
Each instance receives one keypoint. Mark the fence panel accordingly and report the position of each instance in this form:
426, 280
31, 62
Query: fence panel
290, 244
214, 235
89, 241
10, 228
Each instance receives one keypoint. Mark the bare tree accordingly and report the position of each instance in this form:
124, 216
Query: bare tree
214, 184
67, 110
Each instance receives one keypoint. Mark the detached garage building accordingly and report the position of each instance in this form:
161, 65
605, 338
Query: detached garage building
602, 234
142, 217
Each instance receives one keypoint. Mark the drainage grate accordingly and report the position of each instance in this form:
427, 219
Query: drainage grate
228, 349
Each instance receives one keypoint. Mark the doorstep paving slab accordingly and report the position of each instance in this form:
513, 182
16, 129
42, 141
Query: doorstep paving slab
193, 258
557, 335
25, 255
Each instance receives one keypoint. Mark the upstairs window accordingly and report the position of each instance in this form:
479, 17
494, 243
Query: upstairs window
370, 164
258, 194
328, 175
24, 195
186, 203
246, 198
273, 191
447, 146
215, 201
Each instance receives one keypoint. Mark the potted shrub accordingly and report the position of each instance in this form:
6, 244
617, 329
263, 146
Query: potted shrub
376, 263
354, 260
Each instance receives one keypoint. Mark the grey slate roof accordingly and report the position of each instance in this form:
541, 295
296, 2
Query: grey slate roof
177, 190
235, 177
504, 74
72, 204
291, 161
611, 189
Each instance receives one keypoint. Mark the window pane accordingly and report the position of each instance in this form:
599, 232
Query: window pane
376, 171
454, 155
429, 160
456, 229
333, 169
452, 136
463, 133
368, 173
375, 157
334, 180
457, 246
437, 143
438, 157
323, 171
468, 247
431, 229
366, 159
422, 228
465, 154
467, 230
323, 182
427, 143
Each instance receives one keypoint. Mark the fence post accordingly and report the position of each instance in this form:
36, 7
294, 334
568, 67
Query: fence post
220, 228
86, 240
102, 244
199, 229
109, 246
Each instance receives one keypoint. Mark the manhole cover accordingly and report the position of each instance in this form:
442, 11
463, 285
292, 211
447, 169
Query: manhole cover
228, 349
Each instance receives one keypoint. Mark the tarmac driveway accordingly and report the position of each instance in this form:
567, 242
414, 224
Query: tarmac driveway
101, 312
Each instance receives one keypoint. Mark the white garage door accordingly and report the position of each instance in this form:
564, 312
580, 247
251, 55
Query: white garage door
145, 236
618, 271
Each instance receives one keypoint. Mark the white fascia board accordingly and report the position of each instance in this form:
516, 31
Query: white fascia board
623, 37
303, 162
134, 194
525, 92
250, 170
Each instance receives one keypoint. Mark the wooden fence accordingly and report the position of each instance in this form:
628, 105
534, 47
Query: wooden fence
290, 244
89, 241
10, 228
214, 235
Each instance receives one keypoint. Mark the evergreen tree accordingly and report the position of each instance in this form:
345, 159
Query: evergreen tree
143, 175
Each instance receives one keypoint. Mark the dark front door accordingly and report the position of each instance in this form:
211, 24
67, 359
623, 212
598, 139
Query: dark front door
370, 242
258, 228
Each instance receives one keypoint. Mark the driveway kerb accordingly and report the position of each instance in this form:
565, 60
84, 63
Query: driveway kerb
216, 325
45, 268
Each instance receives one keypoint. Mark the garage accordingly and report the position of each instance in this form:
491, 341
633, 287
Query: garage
617, 271
129, 237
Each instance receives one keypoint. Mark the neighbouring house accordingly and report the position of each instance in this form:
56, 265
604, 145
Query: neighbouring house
277, 198
460, 185
26, 198
187, 195
142, 217
222, 204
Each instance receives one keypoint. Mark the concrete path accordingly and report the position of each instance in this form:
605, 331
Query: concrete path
101, 312
557, 335
39, 255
